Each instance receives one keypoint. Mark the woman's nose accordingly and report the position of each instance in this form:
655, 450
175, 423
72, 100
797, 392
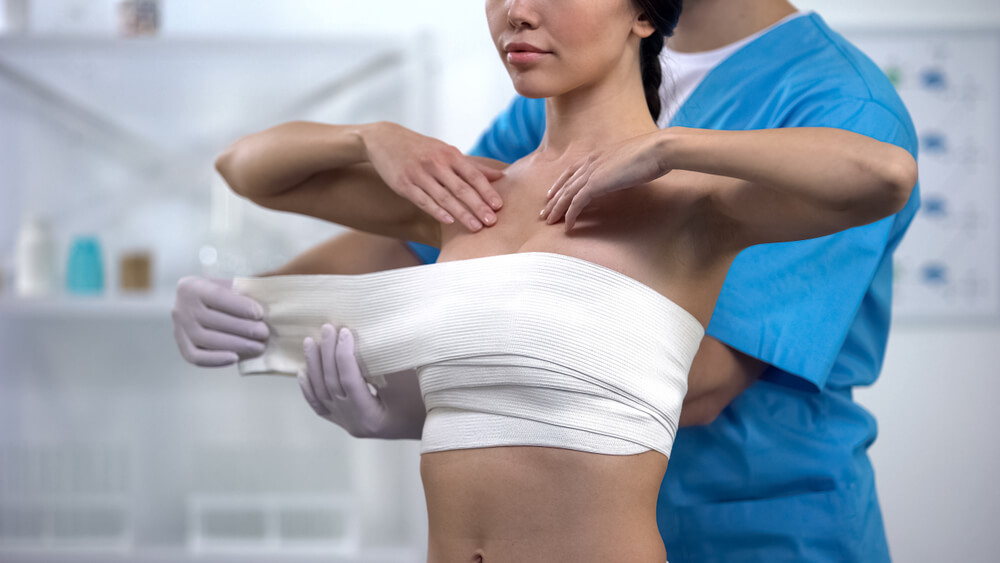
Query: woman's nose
522, 14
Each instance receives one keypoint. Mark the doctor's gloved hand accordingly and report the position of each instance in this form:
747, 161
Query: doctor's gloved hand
333, 385
213, 325
434, 176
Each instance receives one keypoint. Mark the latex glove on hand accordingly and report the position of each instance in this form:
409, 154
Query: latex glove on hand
333, 385
214, 326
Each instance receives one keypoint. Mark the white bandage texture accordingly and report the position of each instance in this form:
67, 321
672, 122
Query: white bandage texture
531, 348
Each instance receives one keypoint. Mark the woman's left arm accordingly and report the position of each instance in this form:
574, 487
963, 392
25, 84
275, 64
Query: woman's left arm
797, 183
772, 184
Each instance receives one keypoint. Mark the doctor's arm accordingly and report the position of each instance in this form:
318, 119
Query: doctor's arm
718, 375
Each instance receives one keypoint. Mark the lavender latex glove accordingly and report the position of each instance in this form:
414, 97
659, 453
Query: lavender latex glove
213, 325
333, 385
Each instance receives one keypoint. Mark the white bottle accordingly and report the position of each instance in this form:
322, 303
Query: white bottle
35, 267
15, 16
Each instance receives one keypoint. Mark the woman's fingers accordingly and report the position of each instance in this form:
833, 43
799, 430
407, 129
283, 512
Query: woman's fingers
580, 201
451, 187
466, 195
565, 181
564, 198
563, 178
548, 214
492, 174
419, 197
544, 215
474, 175
556, 190
432, 186
556, 209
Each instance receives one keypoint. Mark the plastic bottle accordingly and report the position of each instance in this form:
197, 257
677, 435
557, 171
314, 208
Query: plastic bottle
85, 267
35, 262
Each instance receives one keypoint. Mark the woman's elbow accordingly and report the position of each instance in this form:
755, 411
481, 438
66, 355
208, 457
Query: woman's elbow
902, 178
226, 166
893, 176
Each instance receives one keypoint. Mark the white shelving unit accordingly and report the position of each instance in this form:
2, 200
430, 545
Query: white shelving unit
135, 307
111, 447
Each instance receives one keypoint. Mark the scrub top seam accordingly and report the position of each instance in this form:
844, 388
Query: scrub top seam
822, 29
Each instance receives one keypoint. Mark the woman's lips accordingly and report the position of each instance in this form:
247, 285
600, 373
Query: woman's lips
524, 57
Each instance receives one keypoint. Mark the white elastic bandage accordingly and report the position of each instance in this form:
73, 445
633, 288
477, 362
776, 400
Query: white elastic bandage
530, 348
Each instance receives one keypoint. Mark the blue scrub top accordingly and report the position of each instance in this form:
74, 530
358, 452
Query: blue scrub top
783, 473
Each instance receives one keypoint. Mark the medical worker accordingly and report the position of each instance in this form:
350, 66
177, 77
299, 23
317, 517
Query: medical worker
771, 463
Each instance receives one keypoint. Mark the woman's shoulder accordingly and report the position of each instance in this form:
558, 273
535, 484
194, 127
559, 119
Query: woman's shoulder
491, 162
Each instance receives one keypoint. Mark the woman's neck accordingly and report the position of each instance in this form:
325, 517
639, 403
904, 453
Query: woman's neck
596, 115
705, 25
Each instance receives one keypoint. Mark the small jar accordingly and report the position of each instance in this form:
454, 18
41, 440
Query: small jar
136, 270
138, 18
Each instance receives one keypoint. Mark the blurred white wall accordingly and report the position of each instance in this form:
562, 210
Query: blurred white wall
473, 85
472, 81
935, 457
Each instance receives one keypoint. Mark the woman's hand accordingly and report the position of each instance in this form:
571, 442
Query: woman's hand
435, 176
334, 387
627, 164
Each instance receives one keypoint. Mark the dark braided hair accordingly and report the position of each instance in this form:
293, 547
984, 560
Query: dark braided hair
663, 16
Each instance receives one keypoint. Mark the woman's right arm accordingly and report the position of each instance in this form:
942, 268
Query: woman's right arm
323, 171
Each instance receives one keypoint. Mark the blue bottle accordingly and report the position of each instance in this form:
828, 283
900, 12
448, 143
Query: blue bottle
85, 268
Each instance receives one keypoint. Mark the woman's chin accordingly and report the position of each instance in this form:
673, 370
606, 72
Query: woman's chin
531, 89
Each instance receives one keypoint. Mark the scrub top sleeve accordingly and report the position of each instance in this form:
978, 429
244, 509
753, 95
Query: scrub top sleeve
792, 304
514, 133
425, 253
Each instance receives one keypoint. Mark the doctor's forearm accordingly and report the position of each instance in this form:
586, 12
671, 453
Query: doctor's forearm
718, 375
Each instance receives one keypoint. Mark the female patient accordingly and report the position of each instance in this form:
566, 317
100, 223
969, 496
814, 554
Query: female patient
692, 201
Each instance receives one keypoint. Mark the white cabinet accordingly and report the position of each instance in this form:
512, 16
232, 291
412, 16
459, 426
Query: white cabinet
111, 447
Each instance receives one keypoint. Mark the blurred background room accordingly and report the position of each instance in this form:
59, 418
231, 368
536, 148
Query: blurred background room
112, 448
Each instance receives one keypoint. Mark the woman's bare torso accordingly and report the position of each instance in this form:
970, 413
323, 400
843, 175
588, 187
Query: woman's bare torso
526, 503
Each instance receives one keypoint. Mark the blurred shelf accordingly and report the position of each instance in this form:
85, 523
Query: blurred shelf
142, 307
167, 555
341, 39
201, 90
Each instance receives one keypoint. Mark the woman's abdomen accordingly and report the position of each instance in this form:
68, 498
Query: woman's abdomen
527, 503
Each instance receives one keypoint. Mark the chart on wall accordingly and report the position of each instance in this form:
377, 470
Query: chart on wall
948, 265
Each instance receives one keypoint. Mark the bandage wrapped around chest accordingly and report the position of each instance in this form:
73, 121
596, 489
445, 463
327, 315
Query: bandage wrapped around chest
530, 348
